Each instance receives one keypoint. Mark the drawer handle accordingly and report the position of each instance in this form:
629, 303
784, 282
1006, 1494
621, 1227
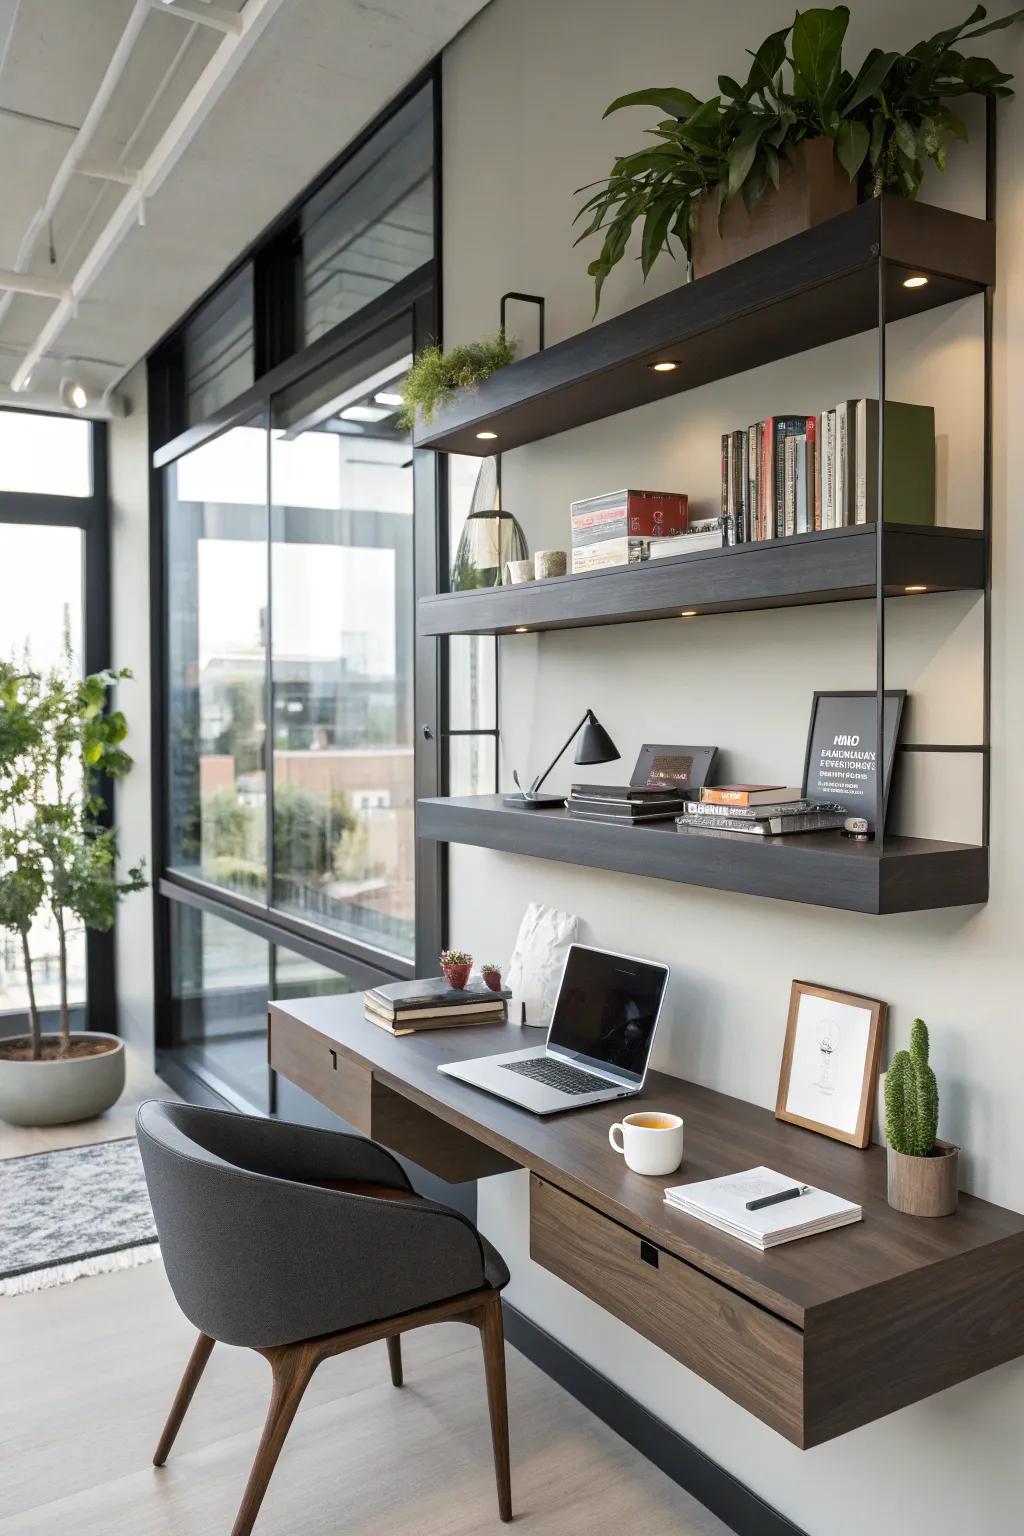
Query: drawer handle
649, 1254
334, 1060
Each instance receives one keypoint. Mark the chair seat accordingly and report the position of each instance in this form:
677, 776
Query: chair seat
495, 1268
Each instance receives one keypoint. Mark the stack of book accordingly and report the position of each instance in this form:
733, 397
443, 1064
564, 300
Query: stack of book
403, 1007
760, 810
619, 527
705, 533
625, 804
798, 474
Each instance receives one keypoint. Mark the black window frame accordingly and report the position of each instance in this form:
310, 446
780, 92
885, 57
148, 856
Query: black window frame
281, 361
90, 514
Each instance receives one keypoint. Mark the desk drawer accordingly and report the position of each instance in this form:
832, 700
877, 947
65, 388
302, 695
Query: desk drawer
312, 1062
752, 1356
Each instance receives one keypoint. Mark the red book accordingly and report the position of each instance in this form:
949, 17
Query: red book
749, 794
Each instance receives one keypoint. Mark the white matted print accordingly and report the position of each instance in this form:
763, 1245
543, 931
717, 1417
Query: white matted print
830, 1062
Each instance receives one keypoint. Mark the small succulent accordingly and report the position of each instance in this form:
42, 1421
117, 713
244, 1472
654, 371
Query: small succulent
488, 966
456, 957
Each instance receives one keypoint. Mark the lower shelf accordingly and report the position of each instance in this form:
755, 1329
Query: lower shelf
910, 874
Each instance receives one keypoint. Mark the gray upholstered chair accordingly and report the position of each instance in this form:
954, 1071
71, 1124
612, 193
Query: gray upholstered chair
301, 1244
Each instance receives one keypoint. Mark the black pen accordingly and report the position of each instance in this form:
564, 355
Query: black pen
783, 1194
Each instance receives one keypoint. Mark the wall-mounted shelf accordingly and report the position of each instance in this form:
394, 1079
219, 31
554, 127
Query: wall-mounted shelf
830, 567
909, 874
818, 287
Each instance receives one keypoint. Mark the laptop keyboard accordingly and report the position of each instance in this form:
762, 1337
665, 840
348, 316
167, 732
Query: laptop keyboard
554, 1074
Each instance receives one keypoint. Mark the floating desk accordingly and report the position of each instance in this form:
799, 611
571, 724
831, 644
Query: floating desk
814, 1338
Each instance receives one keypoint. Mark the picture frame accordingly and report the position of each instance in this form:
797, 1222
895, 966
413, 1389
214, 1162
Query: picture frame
686, 769
850, 714
830, 1062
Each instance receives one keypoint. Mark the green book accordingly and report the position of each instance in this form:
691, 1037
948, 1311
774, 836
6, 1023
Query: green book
909, 463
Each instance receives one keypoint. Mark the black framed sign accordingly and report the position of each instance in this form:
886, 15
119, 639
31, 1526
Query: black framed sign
683, 768
840, 762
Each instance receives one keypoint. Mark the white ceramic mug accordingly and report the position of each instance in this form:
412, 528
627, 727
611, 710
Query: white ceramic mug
651, 1142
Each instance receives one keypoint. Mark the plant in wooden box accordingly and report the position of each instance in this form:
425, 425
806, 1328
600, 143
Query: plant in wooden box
765, 159
58, 859
922, 1170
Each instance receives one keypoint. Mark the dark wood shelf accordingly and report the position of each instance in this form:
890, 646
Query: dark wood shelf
821, 869
816, 288
831, 567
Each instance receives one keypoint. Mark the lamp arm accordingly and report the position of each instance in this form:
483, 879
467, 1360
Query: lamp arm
535, 786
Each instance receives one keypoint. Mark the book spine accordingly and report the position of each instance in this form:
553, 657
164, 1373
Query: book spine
789, 488
754, 828
828, 510
714, 796
779, 507
813, 477
753, 464
725, 474
741, 530
766, 510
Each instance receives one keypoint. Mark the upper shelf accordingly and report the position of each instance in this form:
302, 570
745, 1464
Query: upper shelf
837, 565
816, 288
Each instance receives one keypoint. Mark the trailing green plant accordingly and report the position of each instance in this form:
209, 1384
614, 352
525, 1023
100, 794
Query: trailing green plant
912, 1097
58, 853
886, 121
435, 375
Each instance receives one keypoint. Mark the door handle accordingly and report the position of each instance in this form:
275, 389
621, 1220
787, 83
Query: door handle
334, 1060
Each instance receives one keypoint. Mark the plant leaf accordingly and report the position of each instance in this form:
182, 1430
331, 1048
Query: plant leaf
817, 45
732, 88
992, 26
768, 60
668, 98
852, 146
743, 153
659, 217
872, 75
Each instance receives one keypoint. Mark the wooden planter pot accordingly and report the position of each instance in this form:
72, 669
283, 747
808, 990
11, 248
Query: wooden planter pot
924, 1186
813, 189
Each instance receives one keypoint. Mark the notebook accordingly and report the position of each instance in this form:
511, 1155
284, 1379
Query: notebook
722, 1204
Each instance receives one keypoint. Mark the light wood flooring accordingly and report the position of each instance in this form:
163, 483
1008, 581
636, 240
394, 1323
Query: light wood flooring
141, 1083
88, 1371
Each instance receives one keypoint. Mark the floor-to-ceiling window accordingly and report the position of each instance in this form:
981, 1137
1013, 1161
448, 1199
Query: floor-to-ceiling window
295, 528
54, 595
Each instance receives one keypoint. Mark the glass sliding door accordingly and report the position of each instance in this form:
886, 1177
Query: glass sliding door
342, 648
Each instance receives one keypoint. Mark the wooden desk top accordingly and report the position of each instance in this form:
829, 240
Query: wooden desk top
799, 1281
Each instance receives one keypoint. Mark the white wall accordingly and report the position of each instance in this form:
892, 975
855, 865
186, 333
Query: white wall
525, 87
129, 533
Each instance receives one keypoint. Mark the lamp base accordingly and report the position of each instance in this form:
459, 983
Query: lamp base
525, 802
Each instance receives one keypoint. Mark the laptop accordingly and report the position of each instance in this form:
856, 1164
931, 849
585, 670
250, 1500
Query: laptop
599, 1041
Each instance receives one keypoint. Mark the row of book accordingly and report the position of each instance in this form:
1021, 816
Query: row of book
758, 810
799, 474
625, 804
405, 1007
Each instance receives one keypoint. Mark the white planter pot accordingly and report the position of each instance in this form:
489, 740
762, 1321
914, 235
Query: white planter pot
57, 1092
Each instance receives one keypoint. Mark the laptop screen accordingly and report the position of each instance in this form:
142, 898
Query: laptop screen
607, 1009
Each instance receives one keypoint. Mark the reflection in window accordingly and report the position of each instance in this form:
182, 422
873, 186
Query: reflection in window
45, 455
40, 595
216, 563
342, 666
218, 349
472, 664
373, 223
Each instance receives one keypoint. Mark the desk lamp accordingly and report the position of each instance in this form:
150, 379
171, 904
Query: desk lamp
594, 746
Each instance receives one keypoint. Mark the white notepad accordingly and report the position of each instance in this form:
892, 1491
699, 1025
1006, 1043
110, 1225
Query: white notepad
722, 1203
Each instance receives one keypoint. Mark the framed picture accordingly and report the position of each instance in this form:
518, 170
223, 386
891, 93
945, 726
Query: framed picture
684, 768
839, 764
830, 1062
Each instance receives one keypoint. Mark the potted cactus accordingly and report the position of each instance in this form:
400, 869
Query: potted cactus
456, 965
492, 976
922, 1171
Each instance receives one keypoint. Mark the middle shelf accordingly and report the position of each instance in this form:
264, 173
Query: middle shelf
837, 565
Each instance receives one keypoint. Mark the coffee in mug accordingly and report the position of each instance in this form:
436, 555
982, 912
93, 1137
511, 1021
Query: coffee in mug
652, 1142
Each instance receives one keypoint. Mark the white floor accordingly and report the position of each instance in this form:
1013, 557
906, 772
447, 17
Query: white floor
140, 1083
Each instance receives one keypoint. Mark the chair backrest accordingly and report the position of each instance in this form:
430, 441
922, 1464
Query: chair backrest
257, 1254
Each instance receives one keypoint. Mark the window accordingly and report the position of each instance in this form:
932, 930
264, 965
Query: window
472, 665
219, 358
53, 578
217, 588
373, 223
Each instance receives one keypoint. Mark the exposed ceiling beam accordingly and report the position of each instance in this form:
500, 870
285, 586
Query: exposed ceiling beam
207, 15
190, 117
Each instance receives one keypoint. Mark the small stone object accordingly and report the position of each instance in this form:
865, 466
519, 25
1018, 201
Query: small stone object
517, 571
549, 562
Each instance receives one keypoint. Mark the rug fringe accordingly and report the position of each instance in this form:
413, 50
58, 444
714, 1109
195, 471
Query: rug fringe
61, 1274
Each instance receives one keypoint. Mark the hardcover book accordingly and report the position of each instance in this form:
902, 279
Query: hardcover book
433, 992
909, 463
748, 794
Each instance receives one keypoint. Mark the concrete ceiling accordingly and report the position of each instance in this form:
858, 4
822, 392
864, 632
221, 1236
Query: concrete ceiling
282, 102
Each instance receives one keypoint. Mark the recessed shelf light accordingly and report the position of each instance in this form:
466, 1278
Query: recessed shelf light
688, 613
917, 281
666, 366
387, 397
364, 413
522, 629
487, 437
915, 589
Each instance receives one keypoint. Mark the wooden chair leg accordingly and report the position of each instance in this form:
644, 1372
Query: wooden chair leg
196, 1365
492, 1337
395, 1358
292, 1365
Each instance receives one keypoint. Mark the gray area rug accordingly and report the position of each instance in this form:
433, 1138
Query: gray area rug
77, 1211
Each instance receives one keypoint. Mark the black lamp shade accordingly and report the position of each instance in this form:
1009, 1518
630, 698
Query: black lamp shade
594, 744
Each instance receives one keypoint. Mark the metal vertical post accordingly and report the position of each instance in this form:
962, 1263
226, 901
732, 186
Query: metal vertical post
986, 494
880, 565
